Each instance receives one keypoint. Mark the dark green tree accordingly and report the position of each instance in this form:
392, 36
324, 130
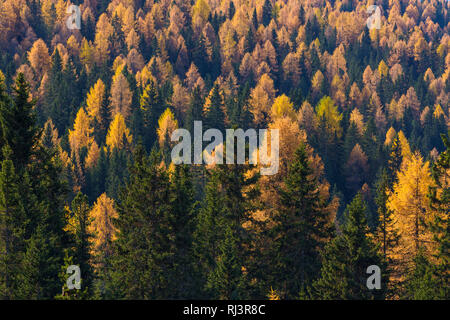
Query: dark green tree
226, 206
18, 124
347, 257
183, 206
301, 227
12, 223
145, 249
215, 115
79, 222
266, 13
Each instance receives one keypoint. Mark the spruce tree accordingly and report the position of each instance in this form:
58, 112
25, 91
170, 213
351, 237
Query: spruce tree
12, 223
386, 232
422, 284
215, 115
18, 124
266, 13
82, 246
346, 259
152, 107
226, 279
145, 248
183, 205
228, 204
440, 201
301, 227
195, 111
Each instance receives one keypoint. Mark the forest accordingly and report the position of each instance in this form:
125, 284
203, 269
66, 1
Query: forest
91, 92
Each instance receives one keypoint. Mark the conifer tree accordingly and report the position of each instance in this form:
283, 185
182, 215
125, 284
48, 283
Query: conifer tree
266, 12
436, 274
12, 224
152, 107
347, 257
226, 279
301, 228
195, 111
145, 247
58, 92
214, 114
79, 223
231, 208
386, 232
184, 212
18, 123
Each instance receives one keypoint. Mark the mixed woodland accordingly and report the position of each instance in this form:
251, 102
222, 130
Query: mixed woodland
86, 177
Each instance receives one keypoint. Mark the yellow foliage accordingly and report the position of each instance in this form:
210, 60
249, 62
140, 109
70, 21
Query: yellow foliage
390, 135
358, 119
438, 112
283, 107
201, 9
409, 203
166, 125
383, 69
121, 96
93, 155
327, 110
81, 135
273, 294
118, 134
95, 99
404, 144
101, 227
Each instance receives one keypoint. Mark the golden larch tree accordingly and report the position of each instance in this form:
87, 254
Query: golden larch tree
102, 227
95, 99
118, 134
39, 58
410, 206
81, 135
283, 107
166, 125
121, 96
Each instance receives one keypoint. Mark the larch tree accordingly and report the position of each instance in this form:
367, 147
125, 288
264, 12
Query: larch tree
283, 107
409, 204
81, 135
118, 134
327, 111
103, 234
261, 99
121, 97
95, 99
166, 125
39, 58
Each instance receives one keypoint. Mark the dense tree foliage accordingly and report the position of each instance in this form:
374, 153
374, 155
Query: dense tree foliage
86, 178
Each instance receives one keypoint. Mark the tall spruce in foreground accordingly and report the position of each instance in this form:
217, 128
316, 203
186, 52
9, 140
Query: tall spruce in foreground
440, 225
346, 259
18, 123
386, 233
79, 254
12, 222
220, 240
183, 205
145, 254
300, 229
42, 193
